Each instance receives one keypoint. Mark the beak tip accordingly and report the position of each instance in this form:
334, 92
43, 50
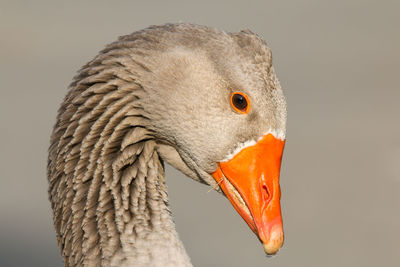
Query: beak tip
272, 246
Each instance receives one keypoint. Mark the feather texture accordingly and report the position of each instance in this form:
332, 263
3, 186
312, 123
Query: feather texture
138, 101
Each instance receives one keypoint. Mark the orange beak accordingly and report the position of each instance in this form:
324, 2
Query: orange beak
250, 180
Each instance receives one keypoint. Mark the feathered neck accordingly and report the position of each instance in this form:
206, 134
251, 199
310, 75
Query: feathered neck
144, 224
107, 186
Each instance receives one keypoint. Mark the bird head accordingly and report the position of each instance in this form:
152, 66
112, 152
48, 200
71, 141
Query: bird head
218, 112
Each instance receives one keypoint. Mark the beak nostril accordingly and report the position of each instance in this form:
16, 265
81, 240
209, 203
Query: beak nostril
265, 193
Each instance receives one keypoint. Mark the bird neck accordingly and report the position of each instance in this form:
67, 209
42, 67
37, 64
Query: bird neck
106, 179
142, 220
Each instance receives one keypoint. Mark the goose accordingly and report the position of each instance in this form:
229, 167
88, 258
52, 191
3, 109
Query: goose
203, 100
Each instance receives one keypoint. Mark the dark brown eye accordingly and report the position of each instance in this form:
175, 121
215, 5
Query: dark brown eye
240, 102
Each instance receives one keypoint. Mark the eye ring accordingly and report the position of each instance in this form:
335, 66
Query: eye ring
240, 102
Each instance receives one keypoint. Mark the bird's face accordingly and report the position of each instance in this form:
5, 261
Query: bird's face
225, 114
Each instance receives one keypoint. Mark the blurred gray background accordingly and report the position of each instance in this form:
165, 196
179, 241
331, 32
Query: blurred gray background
338, 62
